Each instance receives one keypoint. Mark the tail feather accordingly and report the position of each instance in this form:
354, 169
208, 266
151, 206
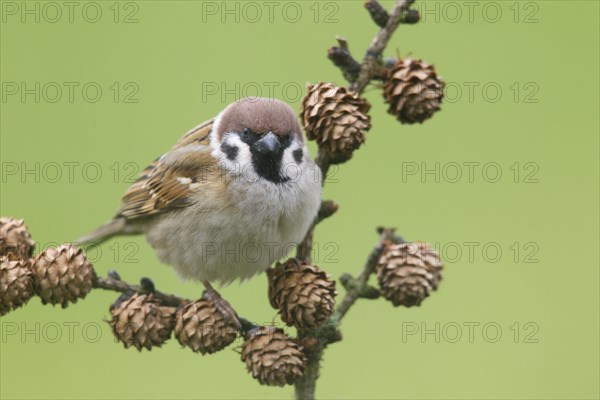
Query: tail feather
105, 232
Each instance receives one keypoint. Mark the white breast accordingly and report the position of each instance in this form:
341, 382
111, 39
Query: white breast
210, 241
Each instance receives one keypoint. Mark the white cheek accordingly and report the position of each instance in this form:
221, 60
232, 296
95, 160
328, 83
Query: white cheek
243, 157
290, 168
241, 165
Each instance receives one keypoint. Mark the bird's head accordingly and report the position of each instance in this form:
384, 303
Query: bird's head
260, 134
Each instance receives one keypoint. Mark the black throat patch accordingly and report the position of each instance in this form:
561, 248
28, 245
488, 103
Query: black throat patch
269, 167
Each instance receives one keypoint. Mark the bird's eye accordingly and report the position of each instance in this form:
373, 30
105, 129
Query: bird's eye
246, 134
286, 138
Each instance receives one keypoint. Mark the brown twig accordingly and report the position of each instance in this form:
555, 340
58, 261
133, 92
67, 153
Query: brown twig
341, 58
386, 234
370, 67
367, 292
304, 249
359, 77
379, 14
117, 285
113, 282
328, 208
411, 17
329, 332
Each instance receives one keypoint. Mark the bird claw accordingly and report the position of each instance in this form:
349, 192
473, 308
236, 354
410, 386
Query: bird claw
221, 304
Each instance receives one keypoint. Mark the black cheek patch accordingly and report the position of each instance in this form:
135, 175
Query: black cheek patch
230, 151
298, 154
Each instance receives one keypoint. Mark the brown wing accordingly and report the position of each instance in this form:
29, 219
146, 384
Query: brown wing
167, 183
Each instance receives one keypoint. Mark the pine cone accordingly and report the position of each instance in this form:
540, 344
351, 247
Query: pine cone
205, 327
302, 293
141, 322
336, 118
271, 357
16, 284
15, 240
413, 91
408, 272
62, 275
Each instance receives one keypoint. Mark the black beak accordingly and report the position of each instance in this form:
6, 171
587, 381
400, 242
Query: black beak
268, 145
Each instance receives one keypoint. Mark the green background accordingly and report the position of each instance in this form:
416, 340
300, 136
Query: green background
171, 54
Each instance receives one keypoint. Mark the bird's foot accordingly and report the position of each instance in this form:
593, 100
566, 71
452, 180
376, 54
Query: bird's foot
220, 303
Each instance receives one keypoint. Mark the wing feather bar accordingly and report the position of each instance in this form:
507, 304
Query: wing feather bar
168, 182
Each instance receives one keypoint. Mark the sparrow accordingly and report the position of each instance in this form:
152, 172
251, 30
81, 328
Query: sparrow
234, 195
